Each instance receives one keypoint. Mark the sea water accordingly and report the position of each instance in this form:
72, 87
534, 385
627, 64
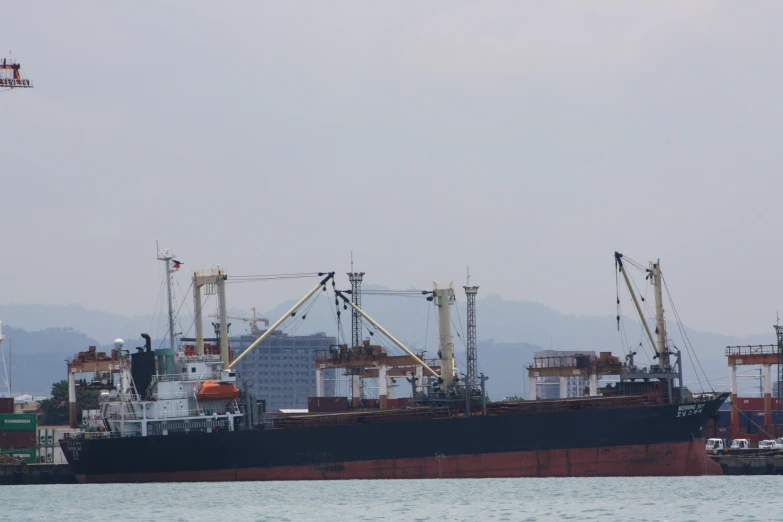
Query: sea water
600, 499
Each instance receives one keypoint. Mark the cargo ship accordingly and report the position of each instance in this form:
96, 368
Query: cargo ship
182, 420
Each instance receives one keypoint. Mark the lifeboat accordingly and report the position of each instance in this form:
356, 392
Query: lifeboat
217, 391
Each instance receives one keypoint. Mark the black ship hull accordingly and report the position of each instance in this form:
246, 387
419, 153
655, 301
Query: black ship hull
663, 440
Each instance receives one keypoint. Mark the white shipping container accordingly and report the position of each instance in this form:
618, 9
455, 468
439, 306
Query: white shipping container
45, 437
45, 455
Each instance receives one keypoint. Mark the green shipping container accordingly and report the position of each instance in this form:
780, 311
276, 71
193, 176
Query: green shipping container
26, 454
17, 422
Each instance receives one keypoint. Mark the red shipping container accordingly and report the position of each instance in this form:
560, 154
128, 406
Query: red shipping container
326, 404
755, 403
6, 405
750, 403
18, 439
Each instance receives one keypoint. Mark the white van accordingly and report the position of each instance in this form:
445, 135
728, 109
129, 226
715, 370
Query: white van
767, 444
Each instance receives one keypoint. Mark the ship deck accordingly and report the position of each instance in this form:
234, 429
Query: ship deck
372, 415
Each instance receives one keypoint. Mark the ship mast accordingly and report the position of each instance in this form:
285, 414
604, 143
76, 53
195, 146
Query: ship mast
385, 332
290, 313
166, 256
660, 323
443, 298
618, 257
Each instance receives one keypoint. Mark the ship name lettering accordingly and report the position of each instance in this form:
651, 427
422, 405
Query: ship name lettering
688, 410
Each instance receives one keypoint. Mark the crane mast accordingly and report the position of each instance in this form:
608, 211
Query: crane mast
618, 257
660, 322
443, 299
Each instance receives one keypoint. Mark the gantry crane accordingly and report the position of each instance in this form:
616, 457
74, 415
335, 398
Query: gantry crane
10, 77
253, 322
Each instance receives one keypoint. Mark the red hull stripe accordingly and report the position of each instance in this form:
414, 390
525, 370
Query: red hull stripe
675, 459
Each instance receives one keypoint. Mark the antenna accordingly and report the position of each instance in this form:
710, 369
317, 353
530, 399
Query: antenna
472, 377
166, 256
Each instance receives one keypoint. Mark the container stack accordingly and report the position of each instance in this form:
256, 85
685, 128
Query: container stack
49, 437
6, 405
18, 436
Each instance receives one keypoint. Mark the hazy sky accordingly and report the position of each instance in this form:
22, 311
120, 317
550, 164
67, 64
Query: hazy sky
528, 140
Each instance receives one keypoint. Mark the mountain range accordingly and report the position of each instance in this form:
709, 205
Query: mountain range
509, 332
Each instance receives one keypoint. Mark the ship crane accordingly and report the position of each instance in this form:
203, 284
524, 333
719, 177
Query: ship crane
11, 77
663, 371
253, 322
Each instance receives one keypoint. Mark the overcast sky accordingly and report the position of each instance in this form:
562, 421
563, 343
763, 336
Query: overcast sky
527, 140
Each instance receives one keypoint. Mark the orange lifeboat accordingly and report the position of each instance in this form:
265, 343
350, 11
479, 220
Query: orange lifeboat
217, 391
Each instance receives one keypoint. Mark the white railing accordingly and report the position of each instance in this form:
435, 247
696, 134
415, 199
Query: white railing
173, 414
13, 82
200, 358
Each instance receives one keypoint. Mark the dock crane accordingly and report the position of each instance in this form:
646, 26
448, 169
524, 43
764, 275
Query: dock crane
253, 322
10, 77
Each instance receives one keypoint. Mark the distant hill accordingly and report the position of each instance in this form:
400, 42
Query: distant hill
37, 359
508, 331
103, 326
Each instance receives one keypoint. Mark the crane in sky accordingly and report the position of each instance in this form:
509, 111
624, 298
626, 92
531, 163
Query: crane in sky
253, 321
11, 77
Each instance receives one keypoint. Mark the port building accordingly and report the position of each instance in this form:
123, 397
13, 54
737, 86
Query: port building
550, 387
281, 370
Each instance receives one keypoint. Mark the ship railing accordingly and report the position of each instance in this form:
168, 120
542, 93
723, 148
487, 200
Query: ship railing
178, 377
92, 435
177, 413
172, 377
173, 395
128, 415
200, 358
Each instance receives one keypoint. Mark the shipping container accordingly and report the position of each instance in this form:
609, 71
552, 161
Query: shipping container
326, 404
26, 454
17, 422
48, 436
45, 455
6, 405
754, 403
18, 439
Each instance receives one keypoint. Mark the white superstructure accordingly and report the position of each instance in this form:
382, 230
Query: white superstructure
173, 402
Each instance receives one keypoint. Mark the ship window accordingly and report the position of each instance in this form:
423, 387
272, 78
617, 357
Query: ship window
193, 370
